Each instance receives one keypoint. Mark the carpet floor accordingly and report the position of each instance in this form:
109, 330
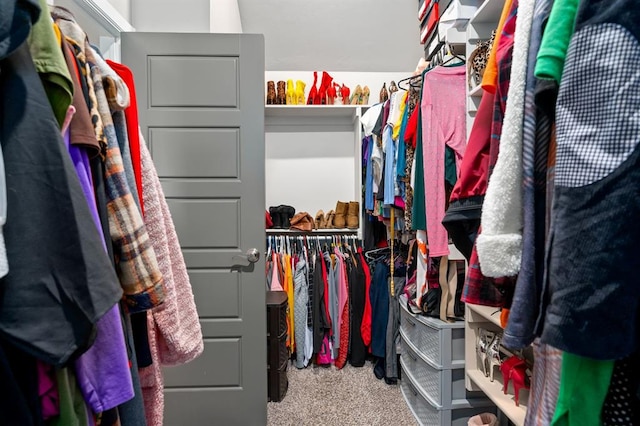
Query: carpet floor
329, 397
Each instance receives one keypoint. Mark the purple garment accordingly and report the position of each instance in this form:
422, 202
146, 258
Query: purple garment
48, 391
103, 371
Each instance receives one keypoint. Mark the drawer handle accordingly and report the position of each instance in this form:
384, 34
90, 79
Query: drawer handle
411, 323
413, 390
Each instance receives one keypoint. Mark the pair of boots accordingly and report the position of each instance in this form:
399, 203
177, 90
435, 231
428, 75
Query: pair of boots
347, 215
281, 216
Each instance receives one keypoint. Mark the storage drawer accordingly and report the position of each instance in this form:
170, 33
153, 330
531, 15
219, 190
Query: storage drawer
429, 415
277, 352
441, 343
276, 313
442, 387
278, 383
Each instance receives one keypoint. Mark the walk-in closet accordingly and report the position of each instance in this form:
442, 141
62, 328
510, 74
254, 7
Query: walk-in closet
239, 212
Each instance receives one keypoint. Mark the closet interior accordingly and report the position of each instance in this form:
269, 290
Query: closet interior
462, 231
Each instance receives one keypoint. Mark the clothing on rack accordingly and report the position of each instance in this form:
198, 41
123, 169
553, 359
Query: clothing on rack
82, 253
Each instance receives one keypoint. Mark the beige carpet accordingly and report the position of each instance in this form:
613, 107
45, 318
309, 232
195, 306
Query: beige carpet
329, 397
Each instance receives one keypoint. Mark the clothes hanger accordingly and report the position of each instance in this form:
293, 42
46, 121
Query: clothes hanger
451, 55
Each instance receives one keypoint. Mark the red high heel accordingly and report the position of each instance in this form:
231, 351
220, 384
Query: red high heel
331, 94
514, 369
345, 92
313, 92
324, 86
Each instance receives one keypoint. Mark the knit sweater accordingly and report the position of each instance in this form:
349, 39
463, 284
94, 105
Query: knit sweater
500, 244
175, 336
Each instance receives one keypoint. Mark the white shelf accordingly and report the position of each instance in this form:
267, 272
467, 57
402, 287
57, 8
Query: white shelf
489, 12
341, 231
311, 110
505, 403
484, 314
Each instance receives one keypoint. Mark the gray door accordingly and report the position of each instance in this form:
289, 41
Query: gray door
201, 107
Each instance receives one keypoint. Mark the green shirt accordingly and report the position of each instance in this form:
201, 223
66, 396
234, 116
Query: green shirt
556, 38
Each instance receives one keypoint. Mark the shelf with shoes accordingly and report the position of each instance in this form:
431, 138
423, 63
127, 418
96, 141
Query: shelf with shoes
341, 231
313, 152
480, 322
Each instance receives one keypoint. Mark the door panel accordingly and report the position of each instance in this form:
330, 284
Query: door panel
204, 81
201, 109
206, 223
193, 153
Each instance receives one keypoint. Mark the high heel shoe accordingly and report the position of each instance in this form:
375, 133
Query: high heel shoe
365, 96
325, 84
483, 340
331, 94
299, 93
344, 92
281, 95
291, 93
384, 94
355, 97
271, 93
493, 355
313, 92
393, 87
520, 381
514, 369
506, 367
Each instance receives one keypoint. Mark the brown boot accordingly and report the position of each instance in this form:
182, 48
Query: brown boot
340, 221
329, 219
353, 215
321, 222
271, 93
281, 97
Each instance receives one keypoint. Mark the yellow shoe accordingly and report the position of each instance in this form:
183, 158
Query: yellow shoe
291, 95
300, 99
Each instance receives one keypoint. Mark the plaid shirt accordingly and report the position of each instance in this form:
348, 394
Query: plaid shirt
136, 263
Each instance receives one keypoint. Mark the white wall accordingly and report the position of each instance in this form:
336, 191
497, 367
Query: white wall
124, 7
179, 16
338, 35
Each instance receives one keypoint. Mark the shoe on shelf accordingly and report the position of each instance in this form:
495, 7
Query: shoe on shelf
286, 214
384, 94
331, 94
340, 221
493, 354
393, 87
291, 93
483, 340
344, 92
353, 215
514, 369
325, 84
321, 222
299, 93
313, 92
329, 219
275, 217
365, 96
271, 93
281, 94
357, 94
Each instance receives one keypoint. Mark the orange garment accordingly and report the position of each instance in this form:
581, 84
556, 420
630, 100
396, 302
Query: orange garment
288, 287
490, 77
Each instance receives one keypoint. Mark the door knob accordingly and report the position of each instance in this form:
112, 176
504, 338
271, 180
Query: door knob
252, 256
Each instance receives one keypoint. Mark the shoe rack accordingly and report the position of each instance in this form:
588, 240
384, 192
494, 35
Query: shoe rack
477, 317
313, 152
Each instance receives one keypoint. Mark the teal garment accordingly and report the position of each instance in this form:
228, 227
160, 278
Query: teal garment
584, 383
402, 148
419, 212
50, 63
556, 38
450, 170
